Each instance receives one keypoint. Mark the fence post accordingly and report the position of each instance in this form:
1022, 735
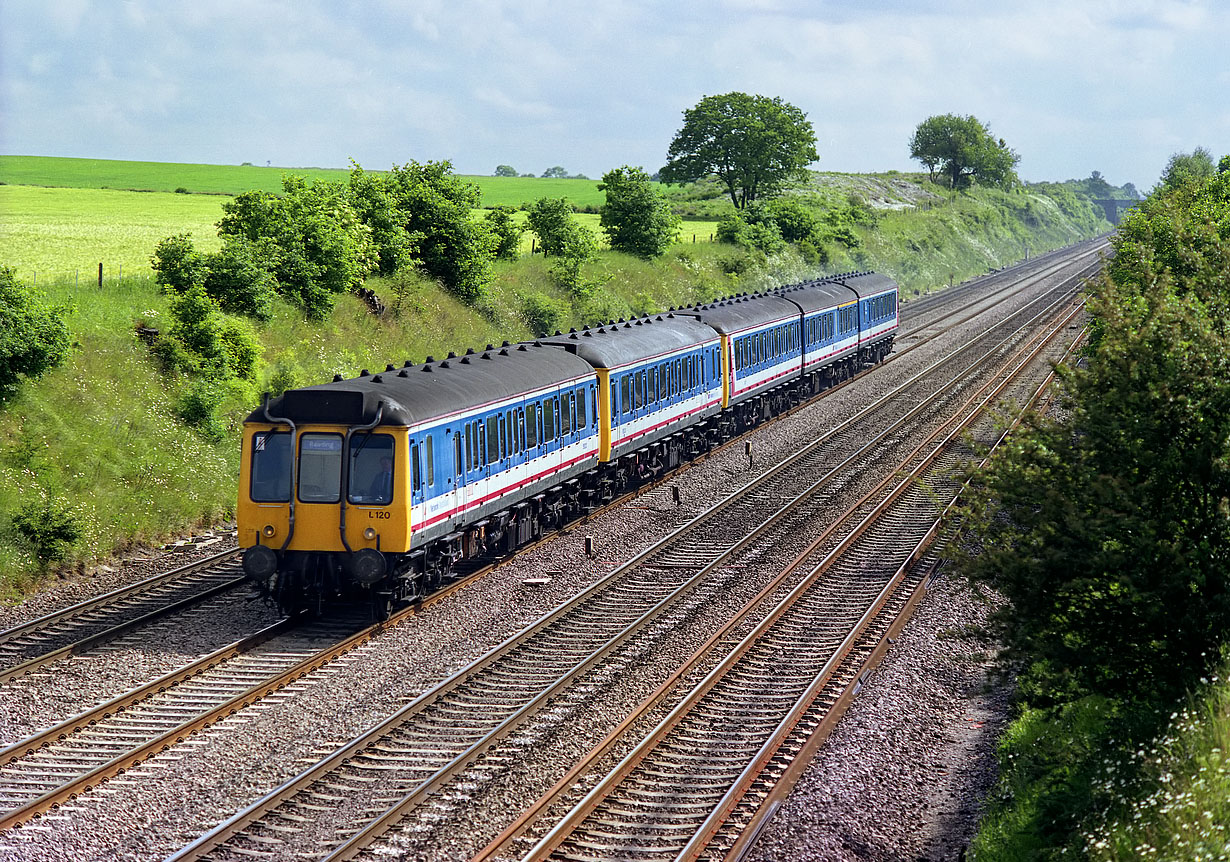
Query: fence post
100, 273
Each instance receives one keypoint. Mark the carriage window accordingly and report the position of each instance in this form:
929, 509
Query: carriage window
320, 468
566, 412
493, 439
431, 462
581, 408
371, 469
548, 420
271, 467
457, 454
416, 470
531, 426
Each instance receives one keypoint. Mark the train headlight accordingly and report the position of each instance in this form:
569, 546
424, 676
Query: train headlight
270, 531
259, 562
369, 533
367, 566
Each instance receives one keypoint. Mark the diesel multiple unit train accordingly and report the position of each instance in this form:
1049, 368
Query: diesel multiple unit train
380, 485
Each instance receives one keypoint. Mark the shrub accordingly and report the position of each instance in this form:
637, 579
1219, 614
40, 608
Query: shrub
198, 408
239, 278
543, 314
507, 232
50, 526
176, 263
33, 338
637, 219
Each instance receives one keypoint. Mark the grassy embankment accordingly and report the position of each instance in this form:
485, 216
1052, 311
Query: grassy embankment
99, 434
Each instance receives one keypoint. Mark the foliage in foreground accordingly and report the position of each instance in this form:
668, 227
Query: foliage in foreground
1110, 533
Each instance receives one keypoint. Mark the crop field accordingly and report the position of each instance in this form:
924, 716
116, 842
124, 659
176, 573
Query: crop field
56, 232
236, 179
62, 232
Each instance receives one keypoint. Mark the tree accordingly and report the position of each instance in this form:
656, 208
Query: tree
556, 172
505, 171
427, 209
637, 219
1109, 533
33, 337
962, 149
317, 243
1188, 167
563, 238
754, 144
506, 231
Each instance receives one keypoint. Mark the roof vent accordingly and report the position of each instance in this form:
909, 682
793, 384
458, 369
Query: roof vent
337, 378
465, 360
389, 367
522, 347
427, 368
444, 364
469, 351
408, 364
557, 332
377, 379
506, 343
452, 355
491, 347
573, 335
504, 350
486, 356
403, 373
430, 359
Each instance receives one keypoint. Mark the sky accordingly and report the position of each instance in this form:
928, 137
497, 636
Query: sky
1115, 86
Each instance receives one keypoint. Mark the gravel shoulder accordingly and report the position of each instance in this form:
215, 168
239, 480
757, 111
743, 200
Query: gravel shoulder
904, 774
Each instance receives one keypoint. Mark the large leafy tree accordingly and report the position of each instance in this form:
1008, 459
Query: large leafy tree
753, 144
637, 219
961, 149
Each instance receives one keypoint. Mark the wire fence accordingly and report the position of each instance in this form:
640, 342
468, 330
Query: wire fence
81, 277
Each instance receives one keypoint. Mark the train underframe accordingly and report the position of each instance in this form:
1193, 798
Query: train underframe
306, 580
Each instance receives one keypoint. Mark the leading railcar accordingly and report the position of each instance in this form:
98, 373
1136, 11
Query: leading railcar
378, 486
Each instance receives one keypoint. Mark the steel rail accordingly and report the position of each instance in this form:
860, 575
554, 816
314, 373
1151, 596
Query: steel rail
586, 806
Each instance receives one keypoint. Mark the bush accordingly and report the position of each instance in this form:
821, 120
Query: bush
33, 338
544, 314
50, 527
507, 232
637, 219
239, 278
198, 408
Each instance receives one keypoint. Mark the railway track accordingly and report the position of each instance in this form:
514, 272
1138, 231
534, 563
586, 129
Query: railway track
692, 786
94, 623
138, 750
419, 750
83, 626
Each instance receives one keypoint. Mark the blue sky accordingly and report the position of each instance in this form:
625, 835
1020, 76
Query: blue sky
1073, 86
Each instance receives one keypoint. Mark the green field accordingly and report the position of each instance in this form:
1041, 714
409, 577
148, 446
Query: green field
236, 179
64, 233
59, 233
